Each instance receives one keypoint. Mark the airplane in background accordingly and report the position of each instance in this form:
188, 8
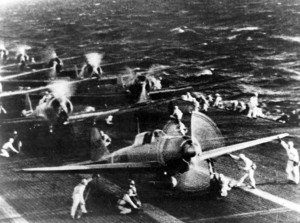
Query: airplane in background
182, 158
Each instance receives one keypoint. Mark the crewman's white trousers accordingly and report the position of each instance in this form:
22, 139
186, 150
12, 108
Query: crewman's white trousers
252, 112
76, 202
292, 172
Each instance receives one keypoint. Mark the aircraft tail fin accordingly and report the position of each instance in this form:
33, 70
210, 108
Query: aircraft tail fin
98, 149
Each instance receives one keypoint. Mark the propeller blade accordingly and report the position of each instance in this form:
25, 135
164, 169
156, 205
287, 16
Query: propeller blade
206, 132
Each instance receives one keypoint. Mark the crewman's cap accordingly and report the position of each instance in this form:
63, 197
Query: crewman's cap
84, 181
217, 94
176, 107
132, 182
109, 120
291, 143
242, 155
256, 94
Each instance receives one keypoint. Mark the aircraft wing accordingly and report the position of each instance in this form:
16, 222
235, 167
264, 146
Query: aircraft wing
100, 114
95, 168
24, 120
236, 147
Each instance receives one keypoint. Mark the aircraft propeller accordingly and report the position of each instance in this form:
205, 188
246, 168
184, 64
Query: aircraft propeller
205, 136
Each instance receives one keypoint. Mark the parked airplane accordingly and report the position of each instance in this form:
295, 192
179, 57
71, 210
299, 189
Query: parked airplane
181, 157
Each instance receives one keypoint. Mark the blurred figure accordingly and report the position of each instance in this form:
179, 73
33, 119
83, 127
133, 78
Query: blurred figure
46, 98
56, 63
22, 58
249, 169
292, 166
133, 194
109, 120
219, 184
187, 97
242, 107
92, 66
89, 109
196, 105
17, 142
106, 139
177, 114
210, 99
78, 198
3, 53
125, 204
253, 103
154, 83
8, 145
294, 118
235, 104
218, 101
284, 118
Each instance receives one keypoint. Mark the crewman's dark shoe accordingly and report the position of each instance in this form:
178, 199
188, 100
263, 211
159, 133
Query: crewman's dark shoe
291, 182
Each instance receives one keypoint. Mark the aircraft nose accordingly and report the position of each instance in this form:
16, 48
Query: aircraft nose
188, 150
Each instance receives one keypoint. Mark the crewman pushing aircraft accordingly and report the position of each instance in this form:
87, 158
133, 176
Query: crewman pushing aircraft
8, 145
219, 184
292, 166
125, 204
249, 169
78, 198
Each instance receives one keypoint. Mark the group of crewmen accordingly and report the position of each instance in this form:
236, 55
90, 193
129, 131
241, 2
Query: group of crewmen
129, 202
220, 184
252, 108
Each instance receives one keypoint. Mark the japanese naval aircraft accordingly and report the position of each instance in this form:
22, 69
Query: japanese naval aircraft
168, 151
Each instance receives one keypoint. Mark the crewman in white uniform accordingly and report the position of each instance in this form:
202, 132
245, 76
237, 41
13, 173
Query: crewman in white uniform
8, 145
126, 205
218, 101
177, 114
3, 53
196, 104
253, 103
106, 139
292, 166
218, 182
249, 169
78, 198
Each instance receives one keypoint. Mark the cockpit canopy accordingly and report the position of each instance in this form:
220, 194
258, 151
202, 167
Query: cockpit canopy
148, 137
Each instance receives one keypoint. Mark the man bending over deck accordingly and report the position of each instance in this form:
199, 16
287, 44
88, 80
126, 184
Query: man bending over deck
8, 145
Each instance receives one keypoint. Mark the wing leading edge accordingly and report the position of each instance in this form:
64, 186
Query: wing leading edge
94, 168
236, 147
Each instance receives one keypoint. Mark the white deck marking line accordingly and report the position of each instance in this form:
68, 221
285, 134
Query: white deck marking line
245, 214
159, 215
10, 213
277, 200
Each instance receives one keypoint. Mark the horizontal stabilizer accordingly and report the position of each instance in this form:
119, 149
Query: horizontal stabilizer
93, 168
229, 149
